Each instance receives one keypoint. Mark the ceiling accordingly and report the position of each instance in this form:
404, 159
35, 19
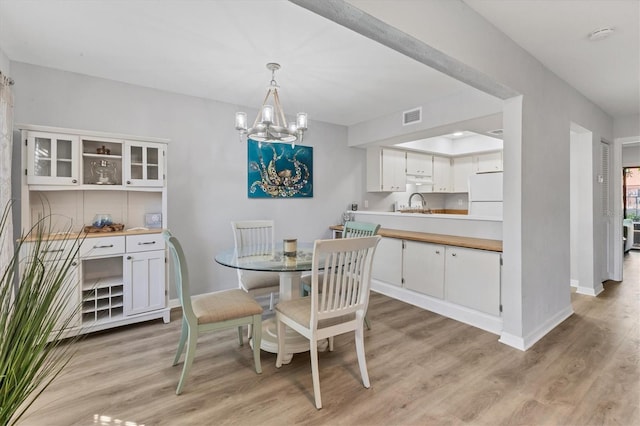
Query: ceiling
218, 50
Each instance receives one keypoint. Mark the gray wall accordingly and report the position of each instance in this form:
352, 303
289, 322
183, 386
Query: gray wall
207, 165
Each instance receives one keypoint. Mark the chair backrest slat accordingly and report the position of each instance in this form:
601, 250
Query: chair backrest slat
359, 229
253, 237
340, 285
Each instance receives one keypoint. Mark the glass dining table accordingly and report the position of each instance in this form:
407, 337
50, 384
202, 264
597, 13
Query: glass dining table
290, 270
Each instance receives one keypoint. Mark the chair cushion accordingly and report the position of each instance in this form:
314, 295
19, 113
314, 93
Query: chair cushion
299, 310
224, 305
252, 280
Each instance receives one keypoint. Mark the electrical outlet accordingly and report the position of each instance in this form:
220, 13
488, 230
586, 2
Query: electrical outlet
366, 204
459, 201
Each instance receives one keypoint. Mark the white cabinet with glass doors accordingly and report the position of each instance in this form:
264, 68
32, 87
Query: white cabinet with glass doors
74, 175
52, 159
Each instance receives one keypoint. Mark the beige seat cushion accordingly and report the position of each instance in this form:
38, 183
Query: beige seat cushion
224, 305
299, 310
253, 279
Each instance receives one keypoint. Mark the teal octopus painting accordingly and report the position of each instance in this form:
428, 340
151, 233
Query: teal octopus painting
278, 170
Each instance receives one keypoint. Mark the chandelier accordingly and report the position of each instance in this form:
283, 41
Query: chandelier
271, 125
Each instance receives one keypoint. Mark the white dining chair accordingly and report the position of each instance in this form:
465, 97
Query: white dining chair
256, 238
350, 229
337, 304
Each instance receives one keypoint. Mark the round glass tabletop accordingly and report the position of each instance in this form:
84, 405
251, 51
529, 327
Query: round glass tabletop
276, 262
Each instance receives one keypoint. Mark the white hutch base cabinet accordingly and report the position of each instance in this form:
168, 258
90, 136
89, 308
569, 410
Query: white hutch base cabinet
72, 175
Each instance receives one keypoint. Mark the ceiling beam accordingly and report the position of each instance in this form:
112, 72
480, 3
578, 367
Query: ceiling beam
349, 16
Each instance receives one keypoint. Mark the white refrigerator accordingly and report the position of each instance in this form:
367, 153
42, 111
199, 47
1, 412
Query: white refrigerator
485, 194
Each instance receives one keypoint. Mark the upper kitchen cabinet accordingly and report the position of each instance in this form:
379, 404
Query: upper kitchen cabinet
441, 174
462, 168
92, 160
52, 159
144, 164
386, 170
419, 164
490, 162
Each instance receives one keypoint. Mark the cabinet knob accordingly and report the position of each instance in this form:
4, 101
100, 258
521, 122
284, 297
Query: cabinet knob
128, 182
453, 254
437, 251
74, 180
129, 257
74, 263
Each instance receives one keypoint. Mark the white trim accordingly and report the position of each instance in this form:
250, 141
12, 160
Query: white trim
460, 313
524, 343
88, 133
589, 291
574, 283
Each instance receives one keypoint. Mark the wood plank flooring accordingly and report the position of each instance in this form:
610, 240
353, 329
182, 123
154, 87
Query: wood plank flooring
424, 369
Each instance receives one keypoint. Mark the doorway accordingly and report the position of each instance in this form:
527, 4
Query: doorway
631, 203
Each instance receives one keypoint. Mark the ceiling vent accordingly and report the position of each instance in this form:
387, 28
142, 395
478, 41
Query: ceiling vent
412, 116
496, 132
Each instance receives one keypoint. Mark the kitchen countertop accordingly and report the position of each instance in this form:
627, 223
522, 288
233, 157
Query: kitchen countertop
449, 240
74, 235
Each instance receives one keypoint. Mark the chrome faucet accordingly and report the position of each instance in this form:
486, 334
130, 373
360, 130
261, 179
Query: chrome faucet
424, 203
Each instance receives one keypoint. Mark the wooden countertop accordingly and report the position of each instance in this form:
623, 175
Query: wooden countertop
449, 240
74, 235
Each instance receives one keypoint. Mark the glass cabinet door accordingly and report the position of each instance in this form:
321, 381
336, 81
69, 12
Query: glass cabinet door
145, 164
52, 159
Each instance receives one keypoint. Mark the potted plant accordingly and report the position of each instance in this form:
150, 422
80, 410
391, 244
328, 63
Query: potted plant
35, 291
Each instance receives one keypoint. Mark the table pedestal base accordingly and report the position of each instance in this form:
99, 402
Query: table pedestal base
294, 342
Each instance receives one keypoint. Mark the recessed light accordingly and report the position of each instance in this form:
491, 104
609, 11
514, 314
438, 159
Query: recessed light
458, 134
601, 33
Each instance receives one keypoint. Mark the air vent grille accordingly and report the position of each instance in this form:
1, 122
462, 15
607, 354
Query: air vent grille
412, 116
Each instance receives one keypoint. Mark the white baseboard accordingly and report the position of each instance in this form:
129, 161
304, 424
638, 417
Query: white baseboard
591, 291
524, 343
460, 313
575, 283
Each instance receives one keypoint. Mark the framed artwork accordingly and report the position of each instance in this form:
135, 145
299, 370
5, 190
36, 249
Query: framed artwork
277, 170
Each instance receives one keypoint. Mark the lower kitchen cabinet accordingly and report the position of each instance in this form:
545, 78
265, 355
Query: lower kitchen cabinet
387, 263
462, 276
472, 279
423, 268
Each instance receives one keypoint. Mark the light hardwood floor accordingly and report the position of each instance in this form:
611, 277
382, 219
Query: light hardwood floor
424, 369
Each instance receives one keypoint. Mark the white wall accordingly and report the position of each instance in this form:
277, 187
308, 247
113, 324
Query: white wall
5, 64
631, 155
536, 156
207, 165
626, 127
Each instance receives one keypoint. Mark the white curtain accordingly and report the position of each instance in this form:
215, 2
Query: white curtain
6, 131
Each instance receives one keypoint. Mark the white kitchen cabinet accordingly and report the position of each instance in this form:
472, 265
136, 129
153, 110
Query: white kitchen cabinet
462, 276
441, 174
424, 268
387, 262
101, 161
144, 278
472, 279
144, 164
419, 164
462, 168
51, 255
52, 158
121, 276
386, 170
489, 162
